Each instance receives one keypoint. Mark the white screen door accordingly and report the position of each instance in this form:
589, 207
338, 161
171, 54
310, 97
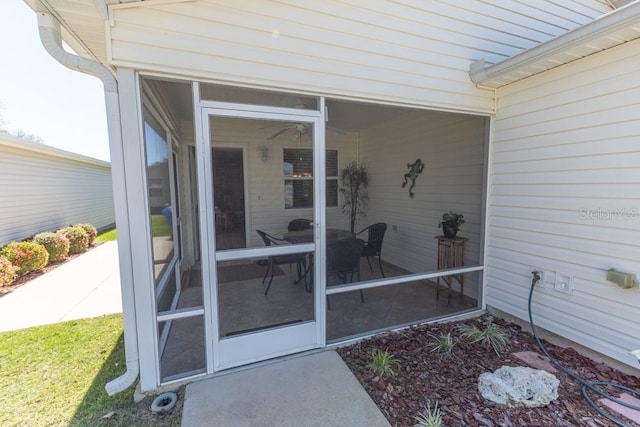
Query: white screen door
262, 170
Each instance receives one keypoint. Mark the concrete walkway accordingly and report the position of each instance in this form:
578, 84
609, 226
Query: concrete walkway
310, 390
86, 286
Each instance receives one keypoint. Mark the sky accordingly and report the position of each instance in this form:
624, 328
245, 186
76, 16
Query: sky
39, 96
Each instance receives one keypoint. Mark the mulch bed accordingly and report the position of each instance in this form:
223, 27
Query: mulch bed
423, 378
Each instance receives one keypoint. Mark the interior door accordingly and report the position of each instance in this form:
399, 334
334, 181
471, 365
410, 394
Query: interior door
263, 300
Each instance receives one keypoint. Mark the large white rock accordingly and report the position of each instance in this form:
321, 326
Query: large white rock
519, 386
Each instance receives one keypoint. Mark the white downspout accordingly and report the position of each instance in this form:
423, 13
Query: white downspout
49, 29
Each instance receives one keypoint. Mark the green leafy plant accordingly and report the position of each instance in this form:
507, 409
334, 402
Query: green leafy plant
26, 256
92, 232
8, 271
491, 336
442, 344
353, 182
78, 239
452, 218
57, 245
429, 417
382, 363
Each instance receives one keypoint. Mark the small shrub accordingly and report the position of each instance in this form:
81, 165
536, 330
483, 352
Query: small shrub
492, 336
442, 344
8, 271
55, 243
78, 239
382, 363
26, 256
91, 231
429, 417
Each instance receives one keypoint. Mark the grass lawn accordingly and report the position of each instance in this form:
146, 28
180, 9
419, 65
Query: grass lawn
160, 226
54, 375
107, 236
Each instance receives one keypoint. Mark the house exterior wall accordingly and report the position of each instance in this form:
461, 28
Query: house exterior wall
412, 53
45, 188
452, 148
265, 179
564, 199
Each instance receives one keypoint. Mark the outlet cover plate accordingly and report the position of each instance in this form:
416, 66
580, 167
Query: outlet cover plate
563, 283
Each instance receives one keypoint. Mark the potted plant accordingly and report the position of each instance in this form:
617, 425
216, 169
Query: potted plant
353, 182
450, 223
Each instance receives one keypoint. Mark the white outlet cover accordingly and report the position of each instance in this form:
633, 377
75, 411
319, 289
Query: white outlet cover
551, 278
563, 283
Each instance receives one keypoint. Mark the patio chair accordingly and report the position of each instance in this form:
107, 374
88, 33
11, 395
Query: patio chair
299, 224
373, 244
343, 261
273, 261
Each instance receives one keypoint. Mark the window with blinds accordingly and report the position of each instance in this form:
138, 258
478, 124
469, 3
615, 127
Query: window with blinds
298, 178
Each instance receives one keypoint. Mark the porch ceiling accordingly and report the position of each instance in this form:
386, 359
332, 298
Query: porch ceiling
613, 29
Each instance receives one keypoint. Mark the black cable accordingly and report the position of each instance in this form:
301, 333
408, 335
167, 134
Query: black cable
586, 385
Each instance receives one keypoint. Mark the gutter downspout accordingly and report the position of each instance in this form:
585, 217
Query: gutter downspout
51, 39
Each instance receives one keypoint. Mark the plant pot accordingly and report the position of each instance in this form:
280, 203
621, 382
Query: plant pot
449, 230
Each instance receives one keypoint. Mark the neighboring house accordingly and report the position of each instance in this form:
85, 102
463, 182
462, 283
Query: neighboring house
230, 117
44, 188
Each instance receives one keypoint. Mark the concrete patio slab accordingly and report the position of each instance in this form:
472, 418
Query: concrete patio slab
86, 286
310, 390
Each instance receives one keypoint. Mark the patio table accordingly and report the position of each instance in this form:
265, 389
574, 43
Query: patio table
306, 236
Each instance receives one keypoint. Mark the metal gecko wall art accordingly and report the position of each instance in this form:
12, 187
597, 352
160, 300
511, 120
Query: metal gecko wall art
415, 169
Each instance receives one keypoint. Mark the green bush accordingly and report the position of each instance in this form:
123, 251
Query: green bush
8, 271
55, 243
27, 256
92, 232
78, 239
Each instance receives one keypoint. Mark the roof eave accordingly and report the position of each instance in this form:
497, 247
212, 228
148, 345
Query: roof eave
538, 59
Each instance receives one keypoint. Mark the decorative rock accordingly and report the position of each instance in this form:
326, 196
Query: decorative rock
519, 386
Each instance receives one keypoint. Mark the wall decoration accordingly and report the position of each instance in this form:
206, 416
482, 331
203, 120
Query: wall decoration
415, 169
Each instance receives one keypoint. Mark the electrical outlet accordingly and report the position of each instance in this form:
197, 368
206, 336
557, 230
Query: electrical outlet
563, 283
542, 277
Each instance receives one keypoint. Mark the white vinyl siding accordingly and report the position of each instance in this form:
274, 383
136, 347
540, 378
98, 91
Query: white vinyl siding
415, 53
44, 189
565, 198
452, 148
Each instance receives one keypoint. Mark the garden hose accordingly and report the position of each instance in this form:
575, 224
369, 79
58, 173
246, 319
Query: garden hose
594, 386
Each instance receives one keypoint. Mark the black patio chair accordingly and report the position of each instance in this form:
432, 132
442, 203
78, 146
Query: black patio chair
299, 224
298, 259
343, 261
373, 244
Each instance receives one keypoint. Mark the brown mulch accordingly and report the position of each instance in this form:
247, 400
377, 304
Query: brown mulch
423, 378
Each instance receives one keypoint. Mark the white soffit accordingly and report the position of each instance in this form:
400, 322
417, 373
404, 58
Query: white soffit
82, 22
615, 28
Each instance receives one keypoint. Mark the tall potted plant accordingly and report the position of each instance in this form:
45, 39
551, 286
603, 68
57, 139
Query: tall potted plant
353, 184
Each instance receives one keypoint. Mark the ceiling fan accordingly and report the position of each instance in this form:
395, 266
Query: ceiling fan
298, 129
